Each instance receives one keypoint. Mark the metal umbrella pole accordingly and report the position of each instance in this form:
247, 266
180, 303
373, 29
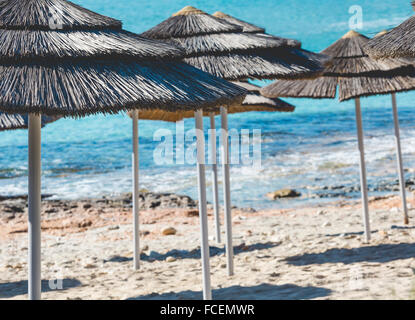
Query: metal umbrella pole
399, 159
363, 181
135, 166
207, 291
34, 265
227, 190
215, 188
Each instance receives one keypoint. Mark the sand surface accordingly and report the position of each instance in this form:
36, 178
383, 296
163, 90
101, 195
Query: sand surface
307, 253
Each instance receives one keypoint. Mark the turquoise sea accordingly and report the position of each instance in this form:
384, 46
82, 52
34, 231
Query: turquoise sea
313, 147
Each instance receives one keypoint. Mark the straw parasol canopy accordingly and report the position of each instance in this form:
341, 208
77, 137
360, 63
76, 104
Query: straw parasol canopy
18, 121
223, 49
353, 72
397, 43
254, 101
83, 63
251, 28
246, 26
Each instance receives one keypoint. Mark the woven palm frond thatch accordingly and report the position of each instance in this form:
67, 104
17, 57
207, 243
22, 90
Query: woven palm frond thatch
254, 101
252, 88
350, 67
18, 121
90, 65
288, 42
264, 64
162, 115
39, 14
37, 44
225, 43
320, 88
232, 54
91, 86
355, 74
246, 26
250, 28
320, 58
350, 88
396, 43
190, 22
350, 59
349, 46
257, 102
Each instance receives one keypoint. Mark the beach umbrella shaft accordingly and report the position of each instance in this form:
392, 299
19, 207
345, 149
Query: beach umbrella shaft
135, 194
363, 180
399, 158
215, 189
201, 179
34, 153
227, 190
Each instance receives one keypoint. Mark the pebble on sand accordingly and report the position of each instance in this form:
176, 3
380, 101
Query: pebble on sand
192, 213
168, 231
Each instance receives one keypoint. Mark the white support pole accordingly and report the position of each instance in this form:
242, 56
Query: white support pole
215, 188
399, 159
136, 232
34, 206
363, 181
204, 250
227, 190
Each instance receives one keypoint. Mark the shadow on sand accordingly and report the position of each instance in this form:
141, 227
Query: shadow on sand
12, 289
260, 292
194, 254
360, 233
380, 253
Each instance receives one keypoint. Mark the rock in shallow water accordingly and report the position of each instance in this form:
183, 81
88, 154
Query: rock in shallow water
283, 193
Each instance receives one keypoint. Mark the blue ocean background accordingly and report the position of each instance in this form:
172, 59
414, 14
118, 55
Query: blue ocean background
313, 147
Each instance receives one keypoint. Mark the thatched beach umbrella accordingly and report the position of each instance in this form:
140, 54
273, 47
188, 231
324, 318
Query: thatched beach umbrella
17, 121
355, 75
57, 58
397, 43
223, 49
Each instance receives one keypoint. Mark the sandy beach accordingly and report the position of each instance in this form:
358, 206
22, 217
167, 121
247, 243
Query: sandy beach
120, 121
304, 253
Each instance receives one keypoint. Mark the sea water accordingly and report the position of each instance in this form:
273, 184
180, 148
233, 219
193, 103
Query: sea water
312, 148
